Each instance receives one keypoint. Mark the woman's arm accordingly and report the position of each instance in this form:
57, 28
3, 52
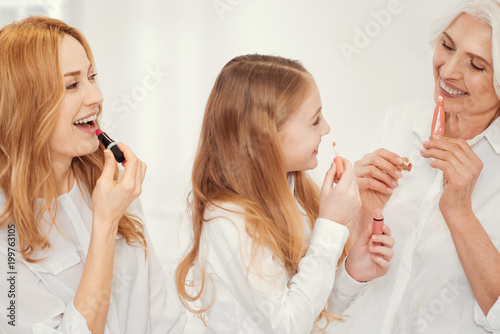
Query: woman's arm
110, 201
478, 255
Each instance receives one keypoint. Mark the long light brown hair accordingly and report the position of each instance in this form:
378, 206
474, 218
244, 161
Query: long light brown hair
239, 160
31, 91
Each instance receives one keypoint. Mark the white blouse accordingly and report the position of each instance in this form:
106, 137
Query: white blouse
44, 291
264, 299
426, 290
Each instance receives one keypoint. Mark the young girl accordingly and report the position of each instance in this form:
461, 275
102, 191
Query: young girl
80, 259
266, 240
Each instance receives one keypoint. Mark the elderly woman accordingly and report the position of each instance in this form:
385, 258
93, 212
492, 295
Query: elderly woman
444, 214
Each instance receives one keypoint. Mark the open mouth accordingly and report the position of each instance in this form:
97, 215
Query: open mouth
449, 90
86, 123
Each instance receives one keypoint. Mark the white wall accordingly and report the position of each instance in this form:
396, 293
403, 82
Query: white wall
186, 43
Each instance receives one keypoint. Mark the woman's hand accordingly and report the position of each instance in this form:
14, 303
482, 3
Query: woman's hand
461, 168
339, 203
111, 198
377, 176
366, 261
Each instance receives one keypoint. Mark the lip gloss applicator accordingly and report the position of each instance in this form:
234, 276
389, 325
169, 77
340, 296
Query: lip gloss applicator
110, 144
378, 221
438, 119
339, 162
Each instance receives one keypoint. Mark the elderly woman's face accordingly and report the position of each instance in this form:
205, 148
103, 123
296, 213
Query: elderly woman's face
463, 68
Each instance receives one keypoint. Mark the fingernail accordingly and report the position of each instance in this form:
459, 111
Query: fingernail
375, 237
395, 184
436, 137
107, 154
398, 174
423, 151
390, 190
399, 160
425, 143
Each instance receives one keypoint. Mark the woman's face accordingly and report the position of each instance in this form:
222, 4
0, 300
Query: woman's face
301, 134
463, 68
74, 134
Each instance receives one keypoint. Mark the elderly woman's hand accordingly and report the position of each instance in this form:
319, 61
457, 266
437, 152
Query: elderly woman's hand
461, 168
377, 176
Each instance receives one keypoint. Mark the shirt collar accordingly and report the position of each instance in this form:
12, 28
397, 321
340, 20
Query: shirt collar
422, 126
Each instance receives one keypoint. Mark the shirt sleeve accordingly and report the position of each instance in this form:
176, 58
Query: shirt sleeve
345, 290
167, 313
272, 302
490, 322
36, 310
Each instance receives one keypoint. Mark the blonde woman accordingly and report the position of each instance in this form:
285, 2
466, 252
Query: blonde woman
266, 240
80, 258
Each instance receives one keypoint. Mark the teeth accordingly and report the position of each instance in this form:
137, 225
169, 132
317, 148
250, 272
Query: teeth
449, 90
85, 120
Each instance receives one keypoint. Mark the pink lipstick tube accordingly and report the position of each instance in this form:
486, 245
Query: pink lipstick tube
378, 222
439, 119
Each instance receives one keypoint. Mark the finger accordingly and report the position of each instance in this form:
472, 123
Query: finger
380, 261
385, 240
381, 163
386, 230
385, 252
378, 174
329, 177
131, 164
383, 153
446, 143
109, 169
369, 183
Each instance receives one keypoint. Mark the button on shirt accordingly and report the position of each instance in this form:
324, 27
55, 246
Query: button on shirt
426, 289
45, 290
264, 299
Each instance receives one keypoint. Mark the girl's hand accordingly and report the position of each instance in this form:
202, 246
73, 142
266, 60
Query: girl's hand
365, 261
377, 176
111, 198
461, 168
341, 202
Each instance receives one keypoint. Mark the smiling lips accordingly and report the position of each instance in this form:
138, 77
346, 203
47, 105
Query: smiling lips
450, 90
87, 123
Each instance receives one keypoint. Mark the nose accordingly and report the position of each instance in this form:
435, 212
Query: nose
325, 129
451, 69
93, 94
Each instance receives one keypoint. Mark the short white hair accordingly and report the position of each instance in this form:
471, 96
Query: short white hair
487, 11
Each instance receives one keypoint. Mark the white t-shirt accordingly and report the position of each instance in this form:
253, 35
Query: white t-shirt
44, 291
426, 289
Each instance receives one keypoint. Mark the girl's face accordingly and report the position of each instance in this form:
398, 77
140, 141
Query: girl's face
74, 133
463, 68
301, 134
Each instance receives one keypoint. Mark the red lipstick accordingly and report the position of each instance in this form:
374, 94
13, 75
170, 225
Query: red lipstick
378, 221
110, 144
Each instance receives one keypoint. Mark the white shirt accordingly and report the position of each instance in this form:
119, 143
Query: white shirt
264, 299
426, 290
44, 291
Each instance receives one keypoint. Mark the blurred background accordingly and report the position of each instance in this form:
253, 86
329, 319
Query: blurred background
157, 62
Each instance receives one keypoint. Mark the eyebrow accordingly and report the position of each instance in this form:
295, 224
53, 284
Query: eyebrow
75, 73
473, 55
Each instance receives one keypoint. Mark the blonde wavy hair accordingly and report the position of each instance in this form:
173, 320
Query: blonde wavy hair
31, 91
239, 160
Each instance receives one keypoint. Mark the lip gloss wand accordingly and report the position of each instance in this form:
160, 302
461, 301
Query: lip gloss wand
339, 162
